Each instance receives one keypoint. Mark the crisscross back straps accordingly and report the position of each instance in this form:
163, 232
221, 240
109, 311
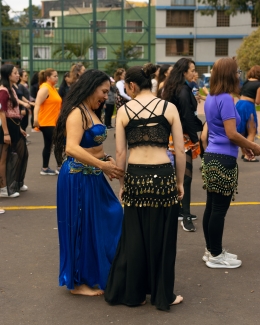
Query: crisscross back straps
143, 107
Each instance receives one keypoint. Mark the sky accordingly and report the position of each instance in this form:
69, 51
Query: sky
19, 5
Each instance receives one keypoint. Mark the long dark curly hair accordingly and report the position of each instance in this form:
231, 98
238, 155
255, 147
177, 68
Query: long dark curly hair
88, 82
176, 79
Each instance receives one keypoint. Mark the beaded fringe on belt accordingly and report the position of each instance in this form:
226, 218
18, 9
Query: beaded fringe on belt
153, 187
219, 179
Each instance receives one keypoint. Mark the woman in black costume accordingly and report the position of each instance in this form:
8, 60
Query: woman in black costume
145, 258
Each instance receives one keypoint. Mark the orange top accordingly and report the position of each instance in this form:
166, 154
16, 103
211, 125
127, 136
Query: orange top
50, 108
188, 145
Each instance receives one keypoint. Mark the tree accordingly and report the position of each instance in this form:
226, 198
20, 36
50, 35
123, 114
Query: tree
10, 38
130, 52
74, 51
248, 53
231, 7
24, 18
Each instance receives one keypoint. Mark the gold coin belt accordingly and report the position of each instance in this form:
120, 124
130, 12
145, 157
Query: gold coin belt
218, 179
150, 191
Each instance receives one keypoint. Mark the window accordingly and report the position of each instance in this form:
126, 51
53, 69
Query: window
202, 69
179, 18
101, 53
254, 20
134, 26
100, 25
41, 52
179, 47
222, 19
221, 47
138, 51
183, 3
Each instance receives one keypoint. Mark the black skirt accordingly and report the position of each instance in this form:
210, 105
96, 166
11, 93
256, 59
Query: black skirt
145, 259
16, 156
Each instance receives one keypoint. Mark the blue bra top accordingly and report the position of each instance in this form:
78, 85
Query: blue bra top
93, 136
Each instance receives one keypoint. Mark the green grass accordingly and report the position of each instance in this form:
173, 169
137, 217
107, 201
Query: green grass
257, 108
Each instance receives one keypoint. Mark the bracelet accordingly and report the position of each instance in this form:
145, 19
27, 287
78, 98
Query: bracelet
6, 134
107, 156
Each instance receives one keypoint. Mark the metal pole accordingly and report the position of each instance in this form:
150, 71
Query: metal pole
62, 29
94, 28
30, 40
122, 31
149, 31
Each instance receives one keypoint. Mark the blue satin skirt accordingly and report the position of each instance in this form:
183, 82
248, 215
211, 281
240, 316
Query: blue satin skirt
89, 224
245, 108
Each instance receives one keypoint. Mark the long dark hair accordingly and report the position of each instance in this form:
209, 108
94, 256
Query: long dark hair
35, 79
141, 75
6, 71
176, 79
163, 69
88, 82
64, 83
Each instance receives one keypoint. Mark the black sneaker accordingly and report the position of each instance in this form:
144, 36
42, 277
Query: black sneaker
187, 224
193, 217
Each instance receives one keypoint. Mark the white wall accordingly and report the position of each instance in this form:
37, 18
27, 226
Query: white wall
204, 49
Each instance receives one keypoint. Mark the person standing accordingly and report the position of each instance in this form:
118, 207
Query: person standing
145, 258
155, 80
110, 104
178, 92
13, 149
249, 96
164, 72
65, 85
219, 163
121, 95
34, 88
89, 214
46, 112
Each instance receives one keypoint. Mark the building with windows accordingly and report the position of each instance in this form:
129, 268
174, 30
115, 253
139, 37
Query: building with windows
183, 30
73, 34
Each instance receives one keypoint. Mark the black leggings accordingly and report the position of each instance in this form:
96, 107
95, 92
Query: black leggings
214, 219
47, 132
216, 208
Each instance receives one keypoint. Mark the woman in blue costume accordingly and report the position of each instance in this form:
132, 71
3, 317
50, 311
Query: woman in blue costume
250, 95
89, 214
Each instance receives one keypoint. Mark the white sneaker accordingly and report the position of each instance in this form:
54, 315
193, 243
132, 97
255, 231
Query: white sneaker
4, 193
207, 254
222, 262
24, 188
57, 171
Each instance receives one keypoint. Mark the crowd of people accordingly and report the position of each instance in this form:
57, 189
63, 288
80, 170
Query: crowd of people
157, 138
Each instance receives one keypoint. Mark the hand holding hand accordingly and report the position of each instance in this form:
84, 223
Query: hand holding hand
256, 150
111, 170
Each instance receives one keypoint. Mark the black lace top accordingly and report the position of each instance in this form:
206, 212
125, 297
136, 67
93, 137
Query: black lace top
140, 132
